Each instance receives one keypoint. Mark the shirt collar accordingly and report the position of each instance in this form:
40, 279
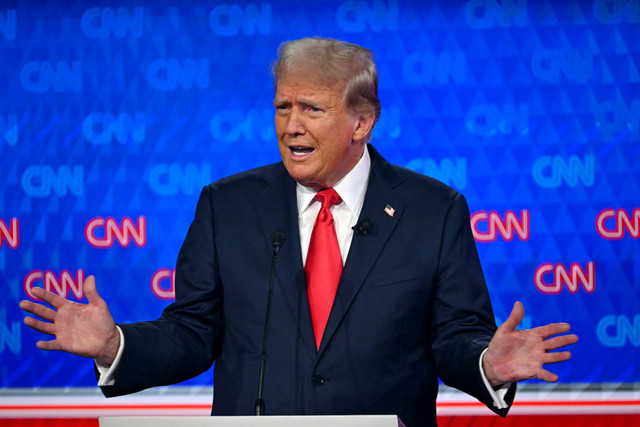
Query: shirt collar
349, 188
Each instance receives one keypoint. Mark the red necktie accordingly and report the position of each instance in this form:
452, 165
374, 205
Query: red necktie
324, 264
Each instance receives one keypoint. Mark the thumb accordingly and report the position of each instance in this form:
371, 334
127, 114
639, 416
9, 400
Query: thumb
91, 292
516, 316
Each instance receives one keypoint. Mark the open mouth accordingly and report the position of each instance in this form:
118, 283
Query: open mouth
301, 151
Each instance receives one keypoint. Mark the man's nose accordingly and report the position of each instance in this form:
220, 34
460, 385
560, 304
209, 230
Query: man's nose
294, 123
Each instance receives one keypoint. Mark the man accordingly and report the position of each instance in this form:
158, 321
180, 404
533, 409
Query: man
411, 303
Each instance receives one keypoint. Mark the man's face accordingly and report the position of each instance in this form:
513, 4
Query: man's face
319, 140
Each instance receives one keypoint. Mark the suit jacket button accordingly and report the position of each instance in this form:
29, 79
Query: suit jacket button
317, 380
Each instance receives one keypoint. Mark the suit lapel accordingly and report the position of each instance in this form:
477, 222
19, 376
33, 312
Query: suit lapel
277, 208
365, 249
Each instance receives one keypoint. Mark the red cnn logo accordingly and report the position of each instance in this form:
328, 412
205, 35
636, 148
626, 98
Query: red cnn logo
123, 233
621, 221
162, 275
12, 234
507, 228
56, 284
559, 276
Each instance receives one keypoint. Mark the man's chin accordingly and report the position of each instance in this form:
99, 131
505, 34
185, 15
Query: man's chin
309, 183
304, 178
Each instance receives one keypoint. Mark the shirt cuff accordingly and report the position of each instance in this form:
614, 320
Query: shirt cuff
496, 394
108, 374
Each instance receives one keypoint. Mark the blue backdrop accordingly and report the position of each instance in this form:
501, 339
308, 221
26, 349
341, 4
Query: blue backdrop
113, 115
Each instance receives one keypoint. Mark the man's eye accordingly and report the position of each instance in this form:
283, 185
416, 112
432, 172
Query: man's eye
315, 109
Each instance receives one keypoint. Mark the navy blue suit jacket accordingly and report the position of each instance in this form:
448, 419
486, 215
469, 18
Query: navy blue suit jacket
412, 304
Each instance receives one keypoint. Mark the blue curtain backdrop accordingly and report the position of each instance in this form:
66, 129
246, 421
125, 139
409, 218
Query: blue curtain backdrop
113, 115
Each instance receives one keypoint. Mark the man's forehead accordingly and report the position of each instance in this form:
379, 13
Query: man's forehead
302, 86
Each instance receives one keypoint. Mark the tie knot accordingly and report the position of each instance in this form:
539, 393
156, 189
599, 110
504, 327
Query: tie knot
328, 197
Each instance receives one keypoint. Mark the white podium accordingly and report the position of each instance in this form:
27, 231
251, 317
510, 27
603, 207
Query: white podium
252, 421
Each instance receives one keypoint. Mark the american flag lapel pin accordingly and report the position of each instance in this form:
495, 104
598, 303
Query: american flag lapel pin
389, 210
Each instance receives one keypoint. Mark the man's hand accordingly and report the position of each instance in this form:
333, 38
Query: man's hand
520, 355
86, 330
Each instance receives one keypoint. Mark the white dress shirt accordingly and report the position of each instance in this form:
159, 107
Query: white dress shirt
351, 189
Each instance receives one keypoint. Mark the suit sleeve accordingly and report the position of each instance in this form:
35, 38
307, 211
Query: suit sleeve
463, 322
187, 338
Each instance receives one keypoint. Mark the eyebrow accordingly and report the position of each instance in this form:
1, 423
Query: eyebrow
301, 100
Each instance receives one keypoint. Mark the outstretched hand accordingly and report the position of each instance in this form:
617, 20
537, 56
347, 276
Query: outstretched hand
86, 330
516, 355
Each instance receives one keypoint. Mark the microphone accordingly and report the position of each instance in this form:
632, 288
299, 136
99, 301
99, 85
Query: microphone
278, 238
363, 228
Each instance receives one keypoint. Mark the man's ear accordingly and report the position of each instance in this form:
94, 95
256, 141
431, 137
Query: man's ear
363, 126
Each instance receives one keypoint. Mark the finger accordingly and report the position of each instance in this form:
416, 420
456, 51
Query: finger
38, 310
560, 341
516, 316
54, 300
48, 345
551, 329
40, 326
547, 376
556, 357
91, 292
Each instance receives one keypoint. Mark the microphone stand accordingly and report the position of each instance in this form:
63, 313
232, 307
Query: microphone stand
277, 240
